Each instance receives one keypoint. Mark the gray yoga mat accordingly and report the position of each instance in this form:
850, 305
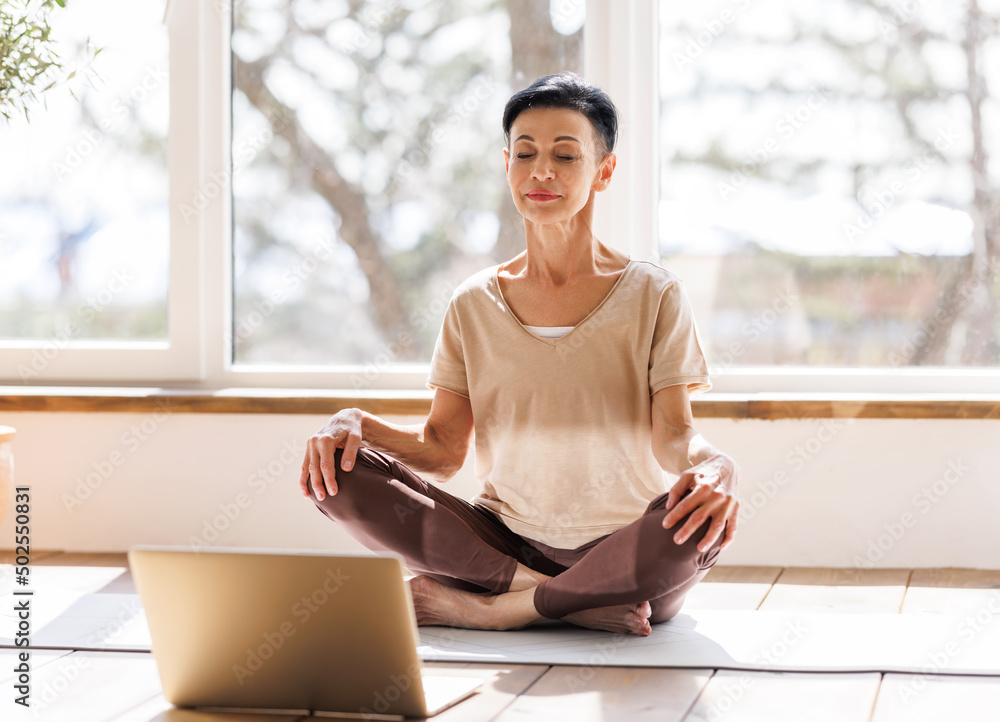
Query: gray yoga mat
113, 622
745, 640
87, 608
718, 639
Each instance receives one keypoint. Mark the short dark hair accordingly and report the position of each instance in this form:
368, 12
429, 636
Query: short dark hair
567, 90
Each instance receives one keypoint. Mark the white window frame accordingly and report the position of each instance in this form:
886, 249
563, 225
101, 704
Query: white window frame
621, 56
60, 359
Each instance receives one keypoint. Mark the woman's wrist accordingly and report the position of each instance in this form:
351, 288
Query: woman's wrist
723, 462
364, 420
729, 467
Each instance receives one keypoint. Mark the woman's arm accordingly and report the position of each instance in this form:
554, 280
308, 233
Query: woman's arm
435, 449
708, 473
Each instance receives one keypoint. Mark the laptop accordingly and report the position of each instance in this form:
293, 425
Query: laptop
289, 631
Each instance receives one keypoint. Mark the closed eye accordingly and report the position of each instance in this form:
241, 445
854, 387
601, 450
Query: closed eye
560, 157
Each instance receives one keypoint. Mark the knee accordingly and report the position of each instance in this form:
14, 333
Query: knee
664, 538
688, 549
666, 564
345, 482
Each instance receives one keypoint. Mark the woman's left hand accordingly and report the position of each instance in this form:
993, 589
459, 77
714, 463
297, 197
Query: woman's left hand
712, 487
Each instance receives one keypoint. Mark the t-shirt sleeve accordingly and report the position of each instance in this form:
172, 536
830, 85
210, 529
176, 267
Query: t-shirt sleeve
676, 356
448, 370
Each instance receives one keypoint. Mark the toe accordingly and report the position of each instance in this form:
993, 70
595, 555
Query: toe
638, 625
642, 609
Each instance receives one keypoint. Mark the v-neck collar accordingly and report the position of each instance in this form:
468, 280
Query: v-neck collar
576, 328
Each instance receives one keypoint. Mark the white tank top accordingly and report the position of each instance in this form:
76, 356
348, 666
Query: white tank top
550, 331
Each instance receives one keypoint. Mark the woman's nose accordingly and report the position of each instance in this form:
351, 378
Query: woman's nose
542, 169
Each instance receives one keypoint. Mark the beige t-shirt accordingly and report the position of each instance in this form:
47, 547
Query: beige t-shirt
562, 426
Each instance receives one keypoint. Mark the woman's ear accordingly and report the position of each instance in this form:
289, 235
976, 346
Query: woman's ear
605, 171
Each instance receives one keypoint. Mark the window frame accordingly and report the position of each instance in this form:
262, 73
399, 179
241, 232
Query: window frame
60, 359
620, 55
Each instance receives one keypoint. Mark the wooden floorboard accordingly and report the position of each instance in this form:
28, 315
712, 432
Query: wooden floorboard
956, 578
726, 587
160, 710
9, 660
502, 684
924, 698
57, 557
124, 687
786, 697
742, 575
82, 559
816, 589
7, 556
953, 591
596, 693
88, 687
935, 600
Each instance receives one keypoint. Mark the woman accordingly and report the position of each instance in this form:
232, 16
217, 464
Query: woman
572, 363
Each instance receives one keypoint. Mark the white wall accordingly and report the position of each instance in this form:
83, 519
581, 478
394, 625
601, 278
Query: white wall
816, 492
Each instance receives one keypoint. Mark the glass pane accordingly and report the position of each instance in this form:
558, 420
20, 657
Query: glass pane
83, 195
829, 179
368, 175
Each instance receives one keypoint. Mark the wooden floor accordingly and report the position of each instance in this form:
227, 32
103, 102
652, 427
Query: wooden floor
123, 687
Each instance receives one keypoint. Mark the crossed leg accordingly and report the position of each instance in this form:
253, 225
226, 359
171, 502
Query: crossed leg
475, 572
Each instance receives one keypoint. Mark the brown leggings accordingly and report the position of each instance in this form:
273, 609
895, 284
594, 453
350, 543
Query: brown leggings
387, 507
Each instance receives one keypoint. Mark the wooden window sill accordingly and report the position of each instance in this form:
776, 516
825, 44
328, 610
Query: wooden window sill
417, 403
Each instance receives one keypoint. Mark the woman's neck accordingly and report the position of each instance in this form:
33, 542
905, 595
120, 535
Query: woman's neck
555, 259
558, 252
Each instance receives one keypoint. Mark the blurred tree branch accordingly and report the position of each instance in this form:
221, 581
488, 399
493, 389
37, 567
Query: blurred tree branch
348, 202
964, 316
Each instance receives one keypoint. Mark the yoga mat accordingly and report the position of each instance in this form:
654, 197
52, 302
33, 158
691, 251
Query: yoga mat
784, 641
97, 622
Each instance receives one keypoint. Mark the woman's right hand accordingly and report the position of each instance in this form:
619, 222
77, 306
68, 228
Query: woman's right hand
341, 431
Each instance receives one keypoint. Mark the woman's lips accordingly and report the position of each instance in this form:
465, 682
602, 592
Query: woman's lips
542, 195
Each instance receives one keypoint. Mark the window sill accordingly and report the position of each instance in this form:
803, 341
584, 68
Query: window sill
418, 403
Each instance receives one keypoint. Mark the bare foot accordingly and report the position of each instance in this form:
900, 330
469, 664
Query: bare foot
622, 618
437, 604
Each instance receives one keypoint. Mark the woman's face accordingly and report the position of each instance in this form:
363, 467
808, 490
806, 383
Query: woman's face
552, 164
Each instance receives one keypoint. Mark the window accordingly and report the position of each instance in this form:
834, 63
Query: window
367, 169
828, 192
83, 200
821, 175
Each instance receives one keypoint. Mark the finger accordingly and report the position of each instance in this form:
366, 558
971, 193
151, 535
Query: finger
692, 525
677, 491
304, 477
315, 475
731, 522
684, 507
327, 450
351, 446
712, 535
